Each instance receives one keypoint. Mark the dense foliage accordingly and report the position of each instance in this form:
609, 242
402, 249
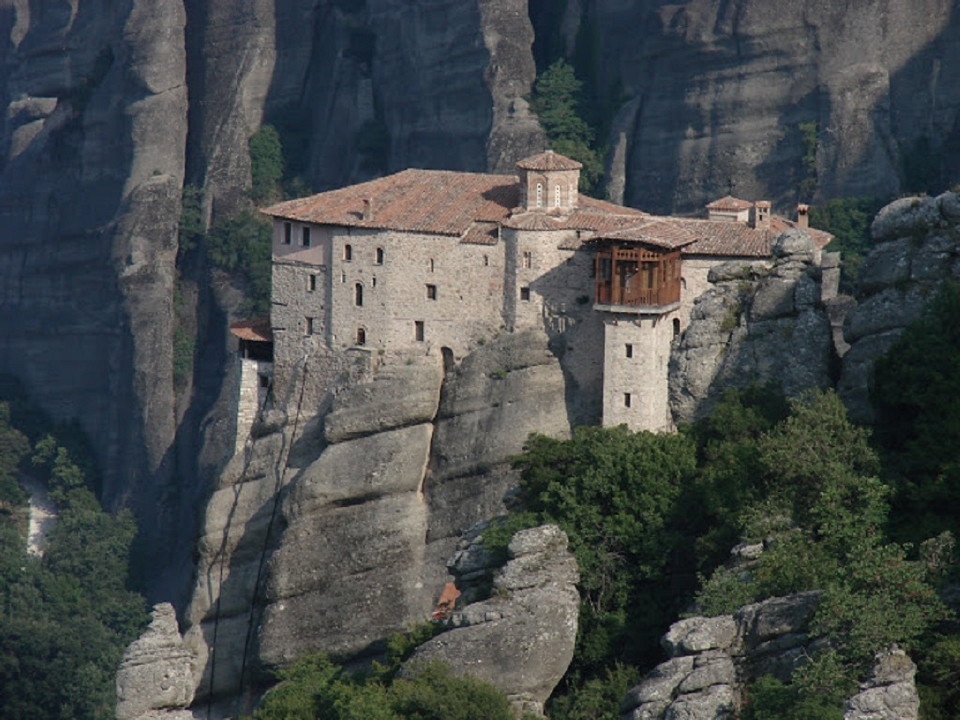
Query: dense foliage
646, 512
316, 688
916, 391
66, 618
848, 220
556, 100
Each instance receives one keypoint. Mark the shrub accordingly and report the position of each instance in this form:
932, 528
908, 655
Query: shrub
266, 165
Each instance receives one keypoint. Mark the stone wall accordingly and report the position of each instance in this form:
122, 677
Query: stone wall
636, 352
252, 396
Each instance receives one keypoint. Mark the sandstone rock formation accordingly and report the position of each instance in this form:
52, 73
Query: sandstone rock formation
917, 247
890, 693
374, 493
155, 679
718, 92
521, 639
710, 657
759, 323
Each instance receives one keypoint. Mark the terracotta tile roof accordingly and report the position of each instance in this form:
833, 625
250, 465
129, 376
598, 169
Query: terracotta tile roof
439, 202
548, 160
729, 204
256, 330
660, 232
481, 234
711, 237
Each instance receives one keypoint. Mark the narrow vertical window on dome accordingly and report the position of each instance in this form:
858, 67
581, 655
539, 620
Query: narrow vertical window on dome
539, 194
556, 196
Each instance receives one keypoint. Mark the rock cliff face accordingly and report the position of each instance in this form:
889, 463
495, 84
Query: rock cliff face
373, 496
759, 323
718, 90
96, 142
155, 679
711, 659
521, 639
91, 169
917, 247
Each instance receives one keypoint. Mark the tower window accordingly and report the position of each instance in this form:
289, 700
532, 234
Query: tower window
361, 336
418, 330
305, 236
629, 350
528, 260
556, 196
525, 293
347, 253
539, 194
379, 256
431, 265
358, 295
627, 400
676, 326
486, 260
308, 329
312, 283
287, 233
431, 292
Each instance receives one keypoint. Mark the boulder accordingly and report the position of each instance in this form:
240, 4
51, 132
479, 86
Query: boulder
521, 639
890, 693
155, 679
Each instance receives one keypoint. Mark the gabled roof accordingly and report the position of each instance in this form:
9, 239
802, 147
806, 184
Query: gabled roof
729, 204
255, 330
548, 160
440, 202
664, 233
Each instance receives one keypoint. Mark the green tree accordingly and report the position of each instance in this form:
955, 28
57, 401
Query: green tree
266, 165
242, 246
556, 100
915, 391
614, 493
848, 220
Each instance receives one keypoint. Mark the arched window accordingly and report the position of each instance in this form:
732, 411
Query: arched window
361, 336
556, 196
539, 194
676, 326
347, 253
379, 256
358, 295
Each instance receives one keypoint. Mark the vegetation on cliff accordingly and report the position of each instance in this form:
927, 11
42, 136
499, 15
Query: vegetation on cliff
314, 687
646, 514
65, 618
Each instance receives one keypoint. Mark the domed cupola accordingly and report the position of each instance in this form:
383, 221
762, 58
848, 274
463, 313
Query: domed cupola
548, 182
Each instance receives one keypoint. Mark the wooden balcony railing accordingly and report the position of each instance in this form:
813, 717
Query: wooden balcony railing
637, 278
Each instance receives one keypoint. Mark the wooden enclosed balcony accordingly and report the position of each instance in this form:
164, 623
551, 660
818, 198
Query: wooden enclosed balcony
637, 280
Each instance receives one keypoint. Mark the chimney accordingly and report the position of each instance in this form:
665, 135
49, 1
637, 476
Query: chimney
803, 221
368, 208
761, 215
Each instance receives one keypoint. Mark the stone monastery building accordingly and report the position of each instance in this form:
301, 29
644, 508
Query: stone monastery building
439, 262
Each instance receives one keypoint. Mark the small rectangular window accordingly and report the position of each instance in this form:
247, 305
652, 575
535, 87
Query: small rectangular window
264, 381
309, 326
287, 233
418, 330
525, 293
629, 350
486, 260
305, 236
626, 399
312, 283
527, 260
431, 292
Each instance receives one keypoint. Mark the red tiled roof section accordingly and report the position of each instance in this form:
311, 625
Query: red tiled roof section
438, 202
548, 160
659, 232
255, 330
729, 204
711, 237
